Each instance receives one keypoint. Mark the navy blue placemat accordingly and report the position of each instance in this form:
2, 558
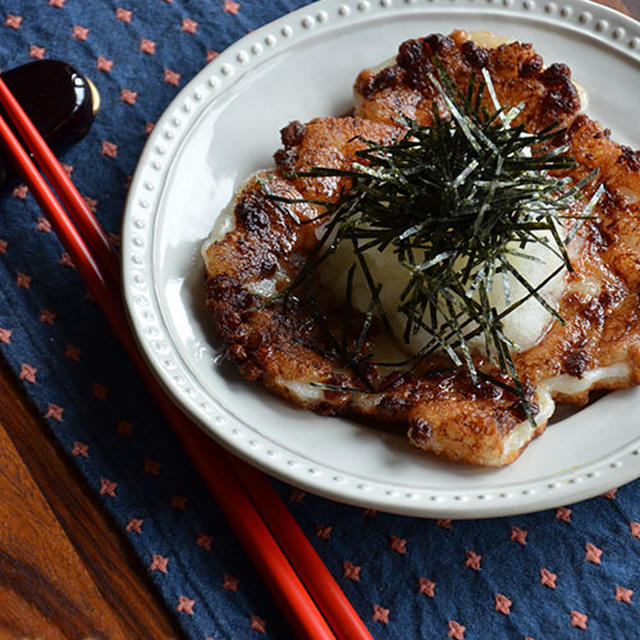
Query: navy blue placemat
565, 573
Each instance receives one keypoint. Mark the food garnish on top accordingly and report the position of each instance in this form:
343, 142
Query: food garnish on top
455, 257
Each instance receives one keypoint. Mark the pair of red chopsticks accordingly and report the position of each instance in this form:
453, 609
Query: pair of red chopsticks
300, 583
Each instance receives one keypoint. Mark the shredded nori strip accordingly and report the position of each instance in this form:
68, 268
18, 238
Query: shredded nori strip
452, 199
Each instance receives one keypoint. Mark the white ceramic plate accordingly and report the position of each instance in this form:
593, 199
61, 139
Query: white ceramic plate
224, 125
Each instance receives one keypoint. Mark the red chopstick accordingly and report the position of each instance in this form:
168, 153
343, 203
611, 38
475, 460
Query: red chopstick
266, 555
313, 572
74, 203
219, 470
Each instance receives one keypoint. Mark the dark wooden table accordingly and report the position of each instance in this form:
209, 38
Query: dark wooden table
65, 571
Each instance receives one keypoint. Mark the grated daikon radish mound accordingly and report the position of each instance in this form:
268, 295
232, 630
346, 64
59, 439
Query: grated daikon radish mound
524, 326
260, 245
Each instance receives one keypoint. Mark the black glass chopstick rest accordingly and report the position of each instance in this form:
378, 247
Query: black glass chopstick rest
60, 101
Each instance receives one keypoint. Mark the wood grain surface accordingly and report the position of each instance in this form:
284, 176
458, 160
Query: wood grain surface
65, 571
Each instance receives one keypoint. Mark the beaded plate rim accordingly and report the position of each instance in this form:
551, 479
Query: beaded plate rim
141, 296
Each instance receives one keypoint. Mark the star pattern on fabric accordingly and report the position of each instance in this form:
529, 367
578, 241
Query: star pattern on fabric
380, 614
623, 594
66, 260
20, 191
188, 25
151, 467
124, 427
23, 280
204, 541
147, 46
80, 32
109, 149
185, 605
231, 7
159, 563
28, 373
399, 545
80, 449
120, 433
92, 203
124, 15
54, 412
593, 554
172, 77
48, 317
323, 531
107, 487
456, 630
127, 96
472, 560
99, 391
351, 571
518, 535
503, 604
36, 52
72, 352
579, 619
134, 525
230, 583
104, 64
178, 502
258, 624
427, 587
43, 225
548, 579
13, 21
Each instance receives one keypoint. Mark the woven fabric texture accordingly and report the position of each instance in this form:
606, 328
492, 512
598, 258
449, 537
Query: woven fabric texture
572, 572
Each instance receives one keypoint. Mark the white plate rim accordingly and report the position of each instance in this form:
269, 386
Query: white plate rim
141, 296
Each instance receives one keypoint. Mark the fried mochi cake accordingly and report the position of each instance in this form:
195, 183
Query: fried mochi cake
261, 243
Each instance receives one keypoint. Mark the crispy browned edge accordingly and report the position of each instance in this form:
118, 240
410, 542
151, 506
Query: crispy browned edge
277, 345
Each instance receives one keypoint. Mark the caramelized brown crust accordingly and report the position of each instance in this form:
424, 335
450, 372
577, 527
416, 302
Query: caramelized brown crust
280, 344
271, 241
601, 304
516, 71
